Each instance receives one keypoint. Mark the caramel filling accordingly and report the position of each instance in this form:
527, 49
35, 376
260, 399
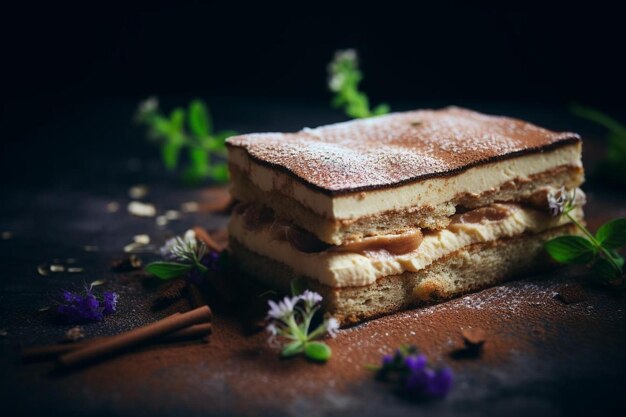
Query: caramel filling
343, 268
394, 244
490, 213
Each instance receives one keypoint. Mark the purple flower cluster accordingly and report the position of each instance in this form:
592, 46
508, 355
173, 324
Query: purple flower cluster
410, 370
77, 308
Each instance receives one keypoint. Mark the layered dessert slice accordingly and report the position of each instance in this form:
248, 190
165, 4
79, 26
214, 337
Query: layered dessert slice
386, 213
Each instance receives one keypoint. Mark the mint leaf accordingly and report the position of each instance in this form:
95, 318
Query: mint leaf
612, 235
168, 270
571, 249
604, 270
160, 125
292, 349
177, 119
199, 159
190, 132
317, 351
169, 154
199, 118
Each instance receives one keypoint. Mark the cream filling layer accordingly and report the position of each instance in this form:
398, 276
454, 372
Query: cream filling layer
431, 192
341, 269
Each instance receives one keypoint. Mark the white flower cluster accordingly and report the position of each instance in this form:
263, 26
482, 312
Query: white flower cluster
146, 107
563, 201
185, 249
336, 75
291, 318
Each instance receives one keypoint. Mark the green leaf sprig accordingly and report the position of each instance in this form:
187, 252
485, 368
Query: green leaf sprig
184, 255
190, 131
614, 165
344, 77
598, 251
291, 319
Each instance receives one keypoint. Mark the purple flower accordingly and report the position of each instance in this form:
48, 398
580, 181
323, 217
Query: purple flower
387, 360
441, 383
69, 297
109, 300
419, 382
415, 378
415, 363
426, 382
82, 308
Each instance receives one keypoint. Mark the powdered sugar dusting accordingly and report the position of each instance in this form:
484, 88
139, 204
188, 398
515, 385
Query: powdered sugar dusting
395, 148
510, 298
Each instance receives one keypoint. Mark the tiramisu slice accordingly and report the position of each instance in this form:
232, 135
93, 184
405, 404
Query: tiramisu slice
385, 213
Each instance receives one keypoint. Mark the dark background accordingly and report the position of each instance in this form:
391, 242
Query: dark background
63, 63
57, 55
73, 74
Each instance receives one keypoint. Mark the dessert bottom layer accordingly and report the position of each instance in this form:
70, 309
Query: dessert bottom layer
468, 269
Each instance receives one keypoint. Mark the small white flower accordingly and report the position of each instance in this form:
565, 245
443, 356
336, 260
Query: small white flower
281, 309
346, 55
310, 298
149, 105
560, 201
332, 325
166, 250
190, 237
272, 329
186, 248
336, 68
335, 82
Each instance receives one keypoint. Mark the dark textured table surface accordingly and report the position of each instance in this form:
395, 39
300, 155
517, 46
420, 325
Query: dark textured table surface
542, 356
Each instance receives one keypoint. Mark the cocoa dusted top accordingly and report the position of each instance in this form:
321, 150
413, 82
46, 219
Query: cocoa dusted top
397, 148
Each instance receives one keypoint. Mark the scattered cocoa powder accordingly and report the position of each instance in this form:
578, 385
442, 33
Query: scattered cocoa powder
169, 293
238, 363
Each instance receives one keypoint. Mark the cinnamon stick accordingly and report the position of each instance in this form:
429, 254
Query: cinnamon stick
204, 236
123, 341
42, 353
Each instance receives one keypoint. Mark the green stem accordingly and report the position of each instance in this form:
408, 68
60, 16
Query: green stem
594, 242
295, 330
308, 317
321, 329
